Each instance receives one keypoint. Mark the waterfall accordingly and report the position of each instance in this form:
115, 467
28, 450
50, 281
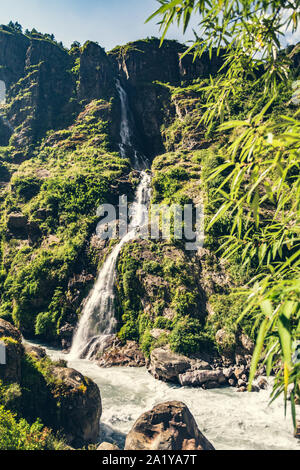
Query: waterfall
2, 103
97, 323
140, 161
125, 128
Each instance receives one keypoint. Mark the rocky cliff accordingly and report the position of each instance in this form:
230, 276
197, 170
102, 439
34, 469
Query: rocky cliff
48, 85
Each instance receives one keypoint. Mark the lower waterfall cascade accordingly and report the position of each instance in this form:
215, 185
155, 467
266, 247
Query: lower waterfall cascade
97, 322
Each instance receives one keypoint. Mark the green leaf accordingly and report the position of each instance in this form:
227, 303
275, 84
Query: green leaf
258, 350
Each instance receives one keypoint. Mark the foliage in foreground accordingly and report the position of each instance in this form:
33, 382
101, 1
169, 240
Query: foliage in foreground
261, 188
20, 435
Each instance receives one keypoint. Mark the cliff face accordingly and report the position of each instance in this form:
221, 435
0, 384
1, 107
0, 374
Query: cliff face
59, 134
48, 85
144, 63
13, 47
97, 73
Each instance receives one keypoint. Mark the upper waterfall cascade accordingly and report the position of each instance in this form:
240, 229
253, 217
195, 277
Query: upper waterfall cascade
97, 322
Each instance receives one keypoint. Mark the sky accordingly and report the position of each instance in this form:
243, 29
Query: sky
110, 22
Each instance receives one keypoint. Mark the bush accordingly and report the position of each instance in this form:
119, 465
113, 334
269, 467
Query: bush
20, 435
188, 338
163, 323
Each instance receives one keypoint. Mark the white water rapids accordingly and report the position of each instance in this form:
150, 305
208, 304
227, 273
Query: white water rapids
229, 419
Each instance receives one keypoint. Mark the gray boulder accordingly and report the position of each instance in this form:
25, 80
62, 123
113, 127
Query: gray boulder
166, 365
168, 426
198, 378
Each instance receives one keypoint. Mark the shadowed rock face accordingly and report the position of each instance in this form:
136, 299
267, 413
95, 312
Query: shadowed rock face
97, 73
80, 406
64, 399
142, 64
11, 337
47, 86
168, 426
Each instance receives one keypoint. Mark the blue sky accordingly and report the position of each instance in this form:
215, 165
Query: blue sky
110, 22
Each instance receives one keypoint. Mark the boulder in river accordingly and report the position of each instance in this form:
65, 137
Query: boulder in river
166, 365
168, 426
129, 355
199, 378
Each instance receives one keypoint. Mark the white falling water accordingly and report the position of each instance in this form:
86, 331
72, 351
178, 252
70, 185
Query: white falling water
2, 92
2, 102
97, 322
125, 128
140, 161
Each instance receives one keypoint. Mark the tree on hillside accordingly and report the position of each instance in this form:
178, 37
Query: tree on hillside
261, 185
15, 26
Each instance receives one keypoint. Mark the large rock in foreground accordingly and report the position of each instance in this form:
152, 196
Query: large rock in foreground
78, 405
168, 426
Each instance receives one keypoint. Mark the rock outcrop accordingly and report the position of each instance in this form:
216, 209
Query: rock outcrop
97, 73
168, 426
80, 407
128, 355
10, 372
204, 378
63, 398
203, 370
140, 64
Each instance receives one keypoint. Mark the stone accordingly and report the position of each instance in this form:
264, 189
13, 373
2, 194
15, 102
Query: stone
239, 371
10, 372
246, 343
262, 383
107, 446
156, 332
198, 378
168, 426
129, 355
240, 359
66, 334
9, 330
166, 365
36, 351
199, 364
17, 221
80, 406
241, 383
228, 372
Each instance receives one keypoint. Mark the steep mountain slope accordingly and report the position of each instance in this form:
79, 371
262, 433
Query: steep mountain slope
60, 131
60, 136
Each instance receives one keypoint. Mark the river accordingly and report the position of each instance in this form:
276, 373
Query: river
229, 419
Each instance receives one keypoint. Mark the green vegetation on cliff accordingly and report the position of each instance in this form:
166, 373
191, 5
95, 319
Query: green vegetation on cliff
48, 215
